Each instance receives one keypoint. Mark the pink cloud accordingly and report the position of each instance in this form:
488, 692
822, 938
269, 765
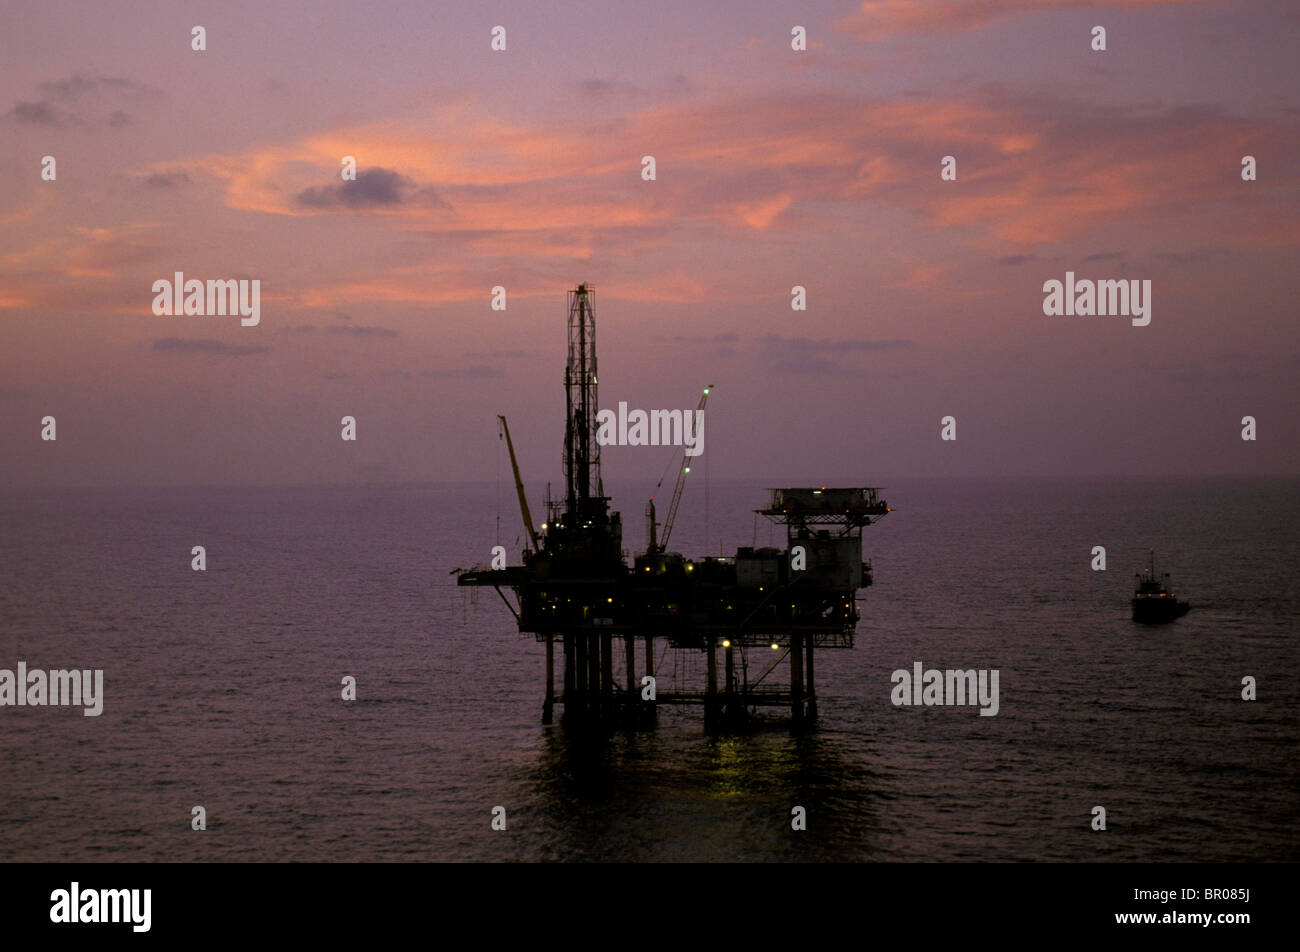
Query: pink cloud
536, 198
880, 19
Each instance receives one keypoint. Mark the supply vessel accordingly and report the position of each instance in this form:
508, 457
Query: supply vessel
1153, 603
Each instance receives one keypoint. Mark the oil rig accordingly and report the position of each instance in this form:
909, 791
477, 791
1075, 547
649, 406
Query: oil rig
575, 586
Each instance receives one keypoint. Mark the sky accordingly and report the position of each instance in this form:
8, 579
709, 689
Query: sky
522, 168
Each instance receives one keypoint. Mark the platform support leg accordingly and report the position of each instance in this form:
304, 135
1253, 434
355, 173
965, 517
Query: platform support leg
606, 673
593, 674
629, 661
711, 687
812, 687
796, 679
651, 707
548, 705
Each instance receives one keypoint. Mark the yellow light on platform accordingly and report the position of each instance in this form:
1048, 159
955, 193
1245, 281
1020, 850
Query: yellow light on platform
726, 644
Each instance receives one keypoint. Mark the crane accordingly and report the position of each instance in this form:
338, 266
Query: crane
519, 485
657, 544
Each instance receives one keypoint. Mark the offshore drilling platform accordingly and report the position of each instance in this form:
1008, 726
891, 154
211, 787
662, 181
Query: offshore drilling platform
574, 585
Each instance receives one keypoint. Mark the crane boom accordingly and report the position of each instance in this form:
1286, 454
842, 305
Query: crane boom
681, 482
519, 486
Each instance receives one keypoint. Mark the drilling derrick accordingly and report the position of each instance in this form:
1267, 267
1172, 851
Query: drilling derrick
581, 451
583, 539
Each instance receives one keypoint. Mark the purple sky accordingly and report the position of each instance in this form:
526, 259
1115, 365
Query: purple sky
775, 168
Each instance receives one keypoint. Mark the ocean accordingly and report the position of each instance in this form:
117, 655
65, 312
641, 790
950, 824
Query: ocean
222, 688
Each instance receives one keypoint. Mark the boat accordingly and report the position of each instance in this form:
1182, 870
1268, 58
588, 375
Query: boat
1153, 603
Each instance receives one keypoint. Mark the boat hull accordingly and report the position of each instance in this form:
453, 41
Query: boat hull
1157, 611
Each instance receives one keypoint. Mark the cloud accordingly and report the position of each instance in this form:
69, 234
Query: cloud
814, 356
498, 355
475, 372
605, 88
166, 179
36, 114
373, 188
1233, 367
1195, 256
918, 277
107, 253
427, 284
542, 198
808, 345
82, 100
1012, 260
727, 337
880, 19
1034, 169
80, 85
811, 366
360, 330
714, 346
188, 345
